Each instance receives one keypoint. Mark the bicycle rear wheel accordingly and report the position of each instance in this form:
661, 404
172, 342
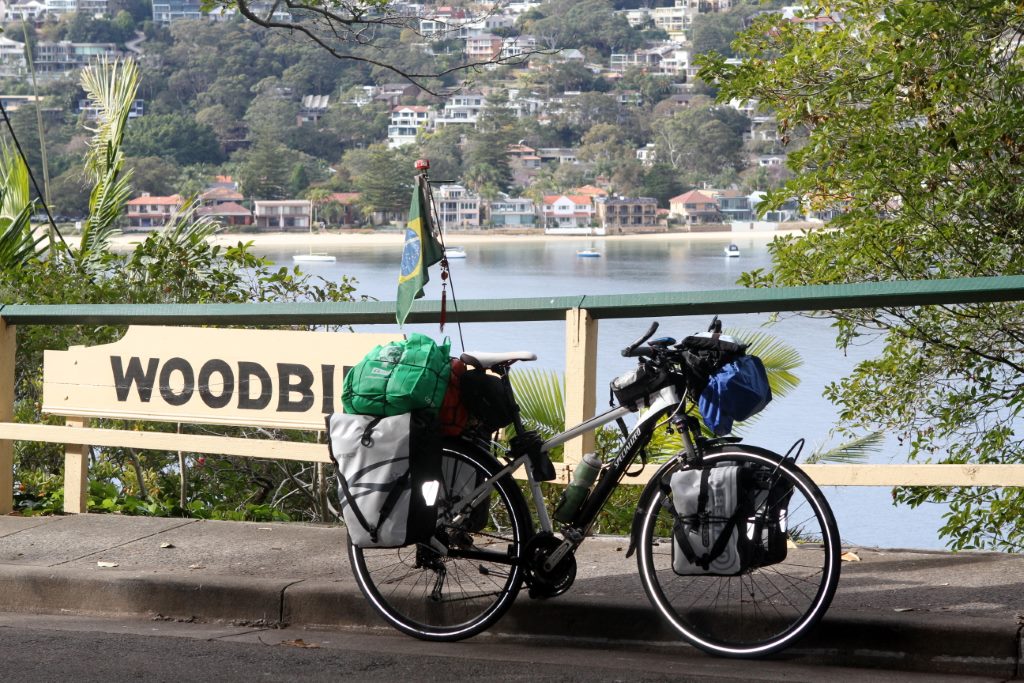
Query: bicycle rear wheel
760, 610
455, 594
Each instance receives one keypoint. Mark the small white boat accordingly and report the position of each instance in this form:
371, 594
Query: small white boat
455, 252
588, 253
732, 250
314, 257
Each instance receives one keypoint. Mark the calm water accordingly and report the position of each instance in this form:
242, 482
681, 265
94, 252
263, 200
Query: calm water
503, 269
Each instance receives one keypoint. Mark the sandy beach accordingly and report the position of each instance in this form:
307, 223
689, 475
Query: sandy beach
334, 240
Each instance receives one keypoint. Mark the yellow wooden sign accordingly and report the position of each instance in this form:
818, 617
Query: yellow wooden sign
267, 378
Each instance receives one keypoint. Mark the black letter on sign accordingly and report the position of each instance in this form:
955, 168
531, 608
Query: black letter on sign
246, 371
327, 375
286, 372
182, 366
123, 380
226, 385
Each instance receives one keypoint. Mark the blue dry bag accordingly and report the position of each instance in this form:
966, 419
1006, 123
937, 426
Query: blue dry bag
737, 391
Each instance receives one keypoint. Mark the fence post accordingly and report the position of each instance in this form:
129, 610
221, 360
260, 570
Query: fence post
580, 378
76, 472
8, 347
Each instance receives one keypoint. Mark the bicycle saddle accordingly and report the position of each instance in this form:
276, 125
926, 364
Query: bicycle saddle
488, 359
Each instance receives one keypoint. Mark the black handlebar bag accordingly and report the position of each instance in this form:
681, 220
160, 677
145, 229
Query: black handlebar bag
389, 476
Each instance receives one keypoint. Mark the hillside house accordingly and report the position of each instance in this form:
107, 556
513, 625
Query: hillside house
13, 63
52, 60
514, 47
461, 109
30, 10
169, 11
313, 108
482, 47
397, 93
406, 123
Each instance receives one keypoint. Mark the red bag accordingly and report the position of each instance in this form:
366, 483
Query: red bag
453, 414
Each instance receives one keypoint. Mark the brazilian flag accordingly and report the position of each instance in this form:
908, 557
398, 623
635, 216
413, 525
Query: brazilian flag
421, 251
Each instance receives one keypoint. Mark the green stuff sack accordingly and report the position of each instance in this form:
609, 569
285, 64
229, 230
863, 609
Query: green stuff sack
398, 377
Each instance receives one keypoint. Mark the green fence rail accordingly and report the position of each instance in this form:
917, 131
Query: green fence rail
724, 301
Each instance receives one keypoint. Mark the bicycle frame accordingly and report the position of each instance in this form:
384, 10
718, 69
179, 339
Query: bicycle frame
664, 402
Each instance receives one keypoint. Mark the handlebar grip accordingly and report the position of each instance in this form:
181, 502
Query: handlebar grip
628, 351
639, 351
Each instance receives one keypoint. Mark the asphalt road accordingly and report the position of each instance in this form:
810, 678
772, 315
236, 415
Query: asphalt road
90, 649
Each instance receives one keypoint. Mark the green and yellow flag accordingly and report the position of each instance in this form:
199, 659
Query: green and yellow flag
421, 251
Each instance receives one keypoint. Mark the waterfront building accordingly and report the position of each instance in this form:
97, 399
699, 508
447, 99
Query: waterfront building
457, 207
285, 214
151, 211
618, 215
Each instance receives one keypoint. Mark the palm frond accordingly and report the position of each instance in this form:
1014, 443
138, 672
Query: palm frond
106, 203
851, 451
111, 87
779, 357
541, 399
18, 243
14, 178
184, 227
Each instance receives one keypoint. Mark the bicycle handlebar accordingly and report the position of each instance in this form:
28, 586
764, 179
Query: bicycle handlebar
635, 349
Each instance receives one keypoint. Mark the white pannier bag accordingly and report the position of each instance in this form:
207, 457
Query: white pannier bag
389, 472
709, 537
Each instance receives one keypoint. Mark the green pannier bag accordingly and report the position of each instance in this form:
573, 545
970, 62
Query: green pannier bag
398, 377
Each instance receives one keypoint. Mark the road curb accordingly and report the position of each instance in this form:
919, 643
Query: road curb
936, 643
100, 591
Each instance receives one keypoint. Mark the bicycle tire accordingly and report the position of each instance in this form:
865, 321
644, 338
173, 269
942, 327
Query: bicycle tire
761, 610
433, 596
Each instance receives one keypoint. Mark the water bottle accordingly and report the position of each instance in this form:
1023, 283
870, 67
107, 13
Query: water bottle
583, 478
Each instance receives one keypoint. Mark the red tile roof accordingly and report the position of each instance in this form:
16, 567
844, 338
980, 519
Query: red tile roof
225, 209
345, 197
693, 196
149, 200
591, 190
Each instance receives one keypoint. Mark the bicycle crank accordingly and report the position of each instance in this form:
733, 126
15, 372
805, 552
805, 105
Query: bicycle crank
547, 583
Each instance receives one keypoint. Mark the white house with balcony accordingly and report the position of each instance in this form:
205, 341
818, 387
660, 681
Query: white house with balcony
12, 58
457, 207
512, 212
462, 109
283, 215
516, 46
568, 215
407, 122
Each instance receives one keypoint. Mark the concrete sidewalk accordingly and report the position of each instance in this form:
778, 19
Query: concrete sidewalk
922, 611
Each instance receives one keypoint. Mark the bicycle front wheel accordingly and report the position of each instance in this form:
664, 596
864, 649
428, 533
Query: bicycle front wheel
761, 609
464, 581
